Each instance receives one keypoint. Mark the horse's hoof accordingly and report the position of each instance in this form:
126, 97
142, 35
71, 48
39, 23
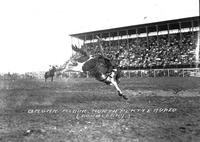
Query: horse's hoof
108, 83
120, 94
124, 97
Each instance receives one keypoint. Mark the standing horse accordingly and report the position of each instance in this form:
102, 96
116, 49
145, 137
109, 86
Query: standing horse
50, 73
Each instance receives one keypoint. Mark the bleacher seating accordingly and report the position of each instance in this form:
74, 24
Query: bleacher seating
158, 52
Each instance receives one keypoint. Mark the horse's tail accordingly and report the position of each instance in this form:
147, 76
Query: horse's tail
75, 48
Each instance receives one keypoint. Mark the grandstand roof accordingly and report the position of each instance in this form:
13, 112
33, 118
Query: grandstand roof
173, 24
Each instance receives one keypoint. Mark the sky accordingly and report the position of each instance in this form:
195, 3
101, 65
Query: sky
35, 33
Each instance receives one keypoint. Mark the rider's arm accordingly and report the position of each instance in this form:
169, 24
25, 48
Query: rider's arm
100, 46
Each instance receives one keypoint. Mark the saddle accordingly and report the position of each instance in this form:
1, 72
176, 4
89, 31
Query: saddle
106, 63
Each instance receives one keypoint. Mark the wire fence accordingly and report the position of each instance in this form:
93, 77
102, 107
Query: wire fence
175, 72
179, 72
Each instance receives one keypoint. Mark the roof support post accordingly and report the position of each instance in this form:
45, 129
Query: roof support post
128, 53
114, 46
79, 43
118, 40
157, 34
84, 42
180, 32
136, 37
85, 38
147, 37
72, 44
192, 22
168, 29
109, 40
95, 48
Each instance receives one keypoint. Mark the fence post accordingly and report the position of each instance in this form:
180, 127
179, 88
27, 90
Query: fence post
168, 72
196, 71
149, 72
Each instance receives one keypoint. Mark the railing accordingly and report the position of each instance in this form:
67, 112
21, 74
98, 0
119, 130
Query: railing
175, 72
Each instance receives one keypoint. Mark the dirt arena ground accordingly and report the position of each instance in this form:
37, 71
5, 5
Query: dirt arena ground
85, 110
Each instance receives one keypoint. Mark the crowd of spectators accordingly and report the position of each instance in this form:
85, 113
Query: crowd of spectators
162, 51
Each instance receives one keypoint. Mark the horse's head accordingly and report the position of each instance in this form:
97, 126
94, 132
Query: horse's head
72, 63
54, 68
80, 56
76, 62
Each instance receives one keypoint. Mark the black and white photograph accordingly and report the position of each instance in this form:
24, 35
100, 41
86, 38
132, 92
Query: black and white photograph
99, 71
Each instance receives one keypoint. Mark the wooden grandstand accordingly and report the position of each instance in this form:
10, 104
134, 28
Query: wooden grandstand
177, 29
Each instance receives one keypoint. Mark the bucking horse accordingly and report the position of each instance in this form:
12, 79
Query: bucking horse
100, 67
